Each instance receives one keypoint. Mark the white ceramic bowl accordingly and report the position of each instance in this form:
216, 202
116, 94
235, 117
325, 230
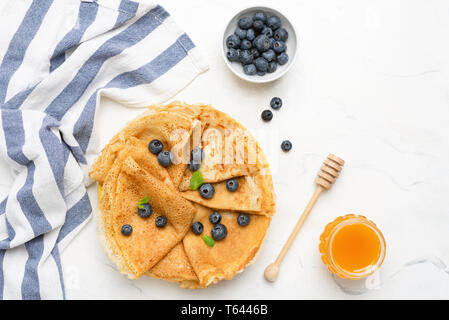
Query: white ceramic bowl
291, 44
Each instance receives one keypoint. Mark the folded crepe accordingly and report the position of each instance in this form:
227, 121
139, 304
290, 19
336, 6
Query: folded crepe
172, 129
228, 256
125, 185
229, 149
254, 195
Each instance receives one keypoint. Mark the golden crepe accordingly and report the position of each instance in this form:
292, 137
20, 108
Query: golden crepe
127, 172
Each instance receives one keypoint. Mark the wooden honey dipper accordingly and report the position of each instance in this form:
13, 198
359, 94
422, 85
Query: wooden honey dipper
327, 175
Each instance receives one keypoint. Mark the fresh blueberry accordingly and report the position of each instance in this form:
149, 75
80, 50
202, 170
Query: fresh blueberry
197, 227
267, 31
127, 229
250, 69
207, 190
232, 55
245, 44
279, 46
219, 232
260, 16
262, 43
165, 158
245, 23
161, 221
246, 57
243, 219
250, 34
240, 33
281, 34
261, 64
258, 25
276, 103
286, 145
255, 53
146, 211
261, 73
269, 55
232, 185
282, 58
193, 165
274, 22
155, 146
215, 217
233, 41
267, 115
272, 67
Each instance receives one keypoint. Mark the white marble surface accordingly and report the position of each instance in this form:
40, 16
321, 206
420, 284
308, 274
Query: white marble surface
371, 84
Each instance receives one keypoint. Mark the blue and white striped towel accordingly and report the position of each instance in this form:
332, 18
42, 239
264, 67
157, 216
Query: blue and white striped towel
57, 57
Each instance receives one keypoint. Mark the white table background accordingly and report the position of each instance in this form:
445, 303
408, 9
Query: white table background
370, 84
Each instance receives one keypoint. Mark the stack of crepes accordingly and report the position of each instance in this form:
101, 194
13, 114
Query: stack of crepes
127, 172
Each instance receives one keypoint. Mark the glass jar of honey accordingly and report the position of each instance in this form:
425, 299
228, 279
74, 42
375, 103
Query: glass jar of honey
352, 247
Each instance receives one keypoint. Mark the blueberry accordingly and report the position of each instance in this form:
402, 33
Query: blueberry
267, 115
250, 69
243, 219
274, 22
232, 41
261, 64
146, 211
245, 23
281, 34
232, 185
246, 57
215, 217
207, 190
219, 232
197, 227
193, 165
282, 58
276, 103
255, 53
165, 158
233, 55
127, 229
240, 33
258, 25
260, 16
286, 145
261, 73
155, 146
245, 44
272, 67
262, 43
267, 31
250, 34
269, 55
279, 46
161, 221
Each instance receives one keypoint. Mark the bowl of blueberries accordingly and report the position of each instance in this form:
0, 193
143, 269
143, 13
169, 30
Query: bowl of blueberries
259, 44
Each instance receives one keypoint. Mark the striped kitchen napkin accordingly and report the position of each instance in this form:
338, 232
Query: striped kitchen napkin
57, 58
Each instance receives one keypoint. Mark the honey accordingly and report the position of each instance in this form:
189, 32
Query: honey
352, 247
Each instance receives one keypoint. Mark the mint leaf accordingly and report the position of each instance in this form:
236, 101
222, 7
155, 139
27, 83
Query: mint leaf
142, 201
196, 180
209, 241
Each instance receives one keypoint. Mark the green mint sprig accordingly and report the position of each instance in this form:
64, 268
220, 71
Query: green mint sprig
143, 201
209, 241
196, 180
